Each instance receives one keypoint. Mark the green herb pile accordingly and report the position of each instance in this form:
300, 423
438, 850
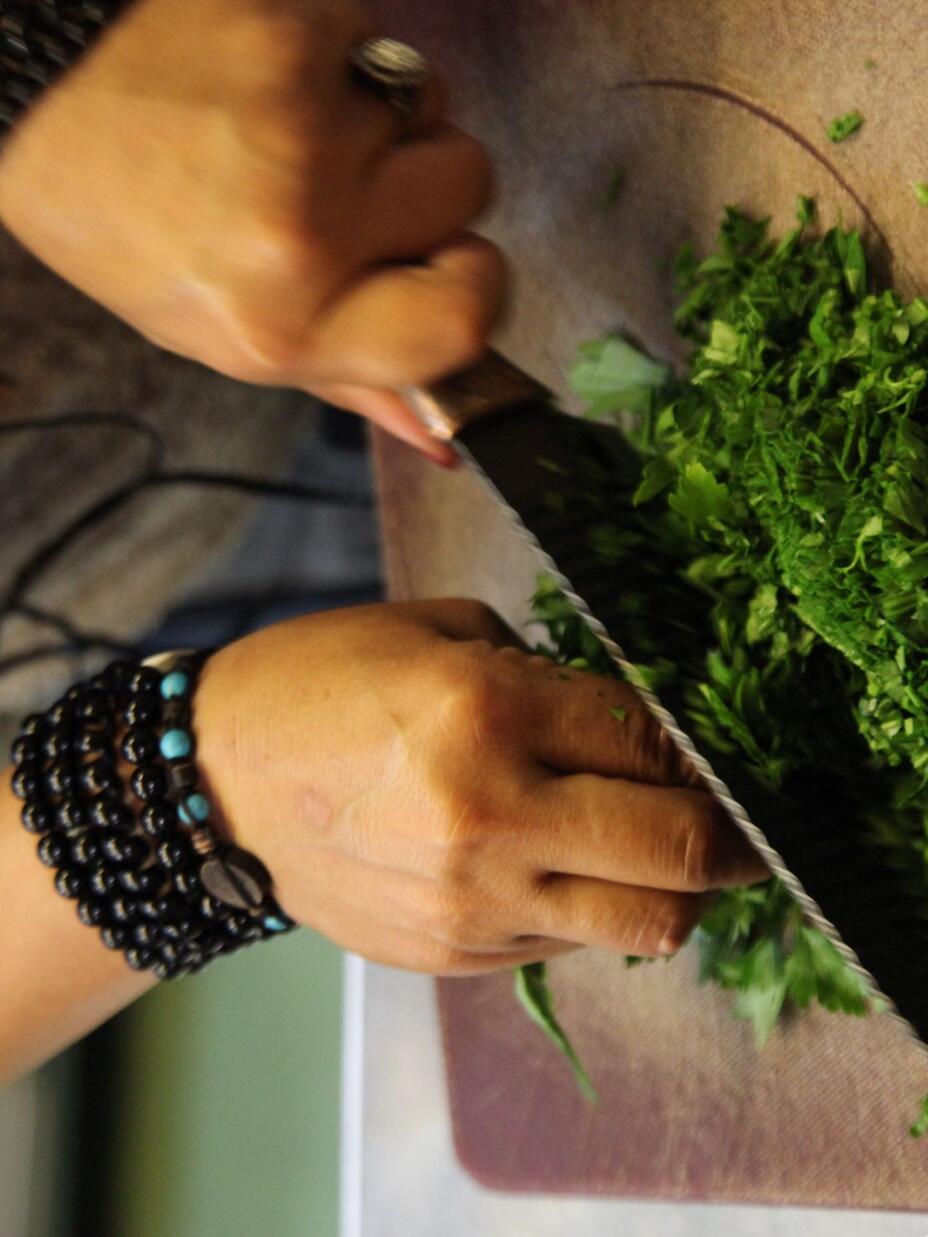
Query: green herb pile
783, 484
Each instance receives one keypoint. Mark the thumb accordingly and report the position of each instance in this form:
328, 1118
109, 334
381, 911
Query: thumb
390, 411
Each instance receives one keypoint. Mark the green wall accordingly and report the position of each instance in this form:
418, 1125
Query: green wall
229, 1124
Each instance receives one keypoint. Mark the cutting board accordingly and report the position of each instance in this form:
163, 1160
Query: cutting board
695, 106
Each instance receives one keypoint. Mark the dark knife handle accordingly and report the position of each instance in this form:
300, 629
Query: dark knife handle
493, 383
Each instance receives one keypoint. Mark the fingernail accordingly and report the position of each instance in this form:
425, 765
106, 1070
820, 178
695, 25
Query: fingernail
448, 459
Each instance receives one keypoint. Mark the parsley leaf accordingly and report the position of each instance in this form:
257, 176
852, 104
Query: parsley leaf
842, 127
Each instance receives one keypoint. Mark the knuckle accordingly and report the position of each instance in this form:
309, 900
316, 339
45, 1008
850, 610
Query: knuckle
464, 330
459, 920
700, 852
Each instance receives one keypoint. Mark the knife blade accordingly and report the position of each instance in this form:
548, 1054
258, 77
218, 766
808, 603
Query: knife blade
507, 429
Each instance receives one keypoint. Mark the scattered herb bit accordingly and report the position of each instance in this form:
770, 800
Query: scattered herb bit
535, 995
869, 63
805, 209
919, 1127
920, 188
618, 713
612, 376
842, 127
613, 189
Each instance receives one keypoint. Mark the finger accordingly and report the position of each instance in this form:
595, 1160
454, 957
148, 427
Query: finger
363, 933
621, 917
389, 410
423, 194
591, 724
651, 836
404, 326
377, 126
465, 618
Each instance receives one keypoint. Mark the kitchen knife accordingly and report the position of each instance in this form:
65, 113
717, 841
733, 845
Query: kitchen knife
507, 429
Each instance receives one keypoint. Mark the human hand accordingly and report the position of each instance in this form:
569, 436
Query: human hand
212, 174
430, 795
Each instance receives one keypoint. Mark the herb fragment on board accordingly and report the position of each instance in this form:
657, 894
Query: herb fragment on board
919, 1126
842, 127
535, 997
618, 713
613, 189
920, 189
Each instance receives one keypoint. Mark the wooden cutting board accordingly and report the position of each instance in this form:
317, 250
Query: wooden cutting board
696, 106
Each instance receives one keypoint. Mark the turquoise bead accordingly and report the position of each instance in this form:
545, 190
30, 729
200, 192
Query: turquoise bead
175, 684
273, 924
176, 744
194, 808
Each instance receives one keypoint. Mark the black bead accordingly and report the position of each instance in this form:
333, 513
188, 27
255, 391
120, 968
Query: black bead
27, 783
70, 814
179, 930
26, 750
166, 970
114, 936
93, 706
176, 712
144, 883
118, 674
211, 909
89, 742
140, 745
92, 912
101, 881
149, 783
146, 934
182, 775
122, 850
158, 819
216, 946
145, 680
123, 910
169, 953
60, 778
139, 959
142, 711
110, 814
99, 778
34, 724
68, 883
235, 925
148, 908
173, 854
59, 714
38, 817
85, 850
59, 743
187, 882
74, 694
53, 850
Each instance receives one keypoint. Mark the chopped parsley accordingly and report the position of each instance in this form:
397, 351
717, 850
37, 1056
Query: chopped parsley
842, 127
920, 188
781, 508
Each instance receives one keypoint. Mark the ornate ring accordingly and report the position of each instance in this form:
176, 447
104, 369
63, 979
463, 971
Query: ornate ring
394, 70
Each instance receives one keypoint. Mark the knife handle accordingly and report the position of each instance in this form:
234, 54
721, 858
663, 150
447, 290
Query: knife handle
493, 383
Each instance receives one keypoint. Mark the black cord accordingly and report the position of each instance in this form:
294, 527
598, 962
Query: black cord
151, 475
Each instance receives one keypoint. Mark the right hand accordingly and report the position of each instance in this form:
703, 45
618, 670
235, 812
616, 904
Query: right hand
429, 794
212, 173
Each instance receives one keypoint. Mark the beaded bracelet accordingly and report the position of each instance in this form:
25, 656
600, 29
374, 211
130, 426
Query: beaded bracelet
39, 39
150, 874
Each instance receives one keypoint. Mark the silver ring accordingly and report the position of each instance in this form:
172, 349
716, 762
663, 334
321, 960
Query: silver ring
394, 70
